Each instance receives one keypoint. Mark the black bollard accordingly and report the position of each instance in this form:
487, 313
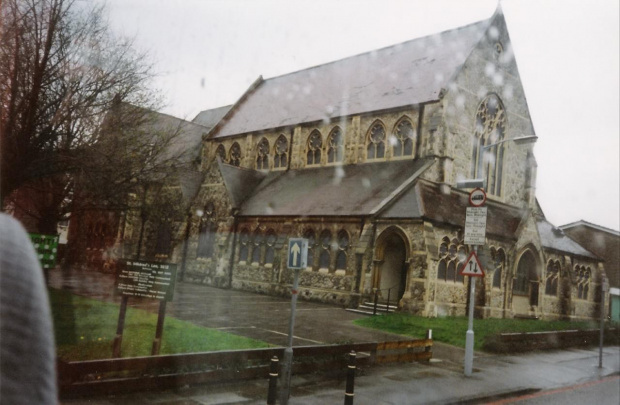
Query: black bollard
273, 381
348, 394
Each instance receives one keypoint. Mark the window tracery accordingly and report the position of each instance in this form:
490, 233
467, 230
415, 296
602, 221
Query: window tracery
262, 155
375, 148
310, 236
499, 262
315, 145
280, 152
207, 232
270, 248
490, 129
552, 278
583, 276
343, 245
257, 244
335, 146
403, 139
221, 152
325, 255
452, 255
234, 155
244, 245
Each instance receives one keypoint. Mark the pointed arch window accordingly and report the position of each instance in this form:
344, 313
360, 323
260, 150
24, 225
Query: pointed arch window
310, 236
280, 153
452, 254
244, 245
552, 278
325, 256
499, 262
335, 146
270, 246
207, 232
257, 246
234, 155
343, 245
221, 152
403, 139
583, 276
262, 155
490, 129
315, 145
375, 148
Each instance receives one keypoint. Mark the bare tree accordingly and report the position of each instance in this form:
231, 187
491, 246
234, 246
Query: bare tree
63, 81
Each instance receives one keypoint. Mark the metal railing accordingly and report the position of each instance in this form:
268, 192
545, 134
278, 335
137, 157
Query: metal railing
389, 290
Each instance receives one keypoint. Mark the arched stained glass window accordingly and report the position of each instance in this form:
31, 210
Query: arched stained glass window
552, 278
452, 255
335, 146
262, 155
343, 245
221, 152
270, 249
207, 232
244, 245
315, 145
324, 257
403, 139
234, 155
490, 129
310, 236
375, 148
280, 152
499, 261
257, 244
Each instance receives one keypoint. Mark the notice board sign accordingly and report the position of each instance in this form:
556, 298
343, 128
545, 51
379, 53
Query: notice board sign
46, 247
136, 278
475, 225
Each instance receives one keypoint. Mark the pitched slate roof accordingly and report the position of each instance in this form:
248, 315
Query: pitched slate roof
554, 238
406, 74
502, 220
353, 190
210, 118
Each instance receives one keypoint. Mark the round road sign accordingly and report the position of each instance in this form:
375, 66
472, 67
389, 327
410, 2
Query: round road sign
477, 197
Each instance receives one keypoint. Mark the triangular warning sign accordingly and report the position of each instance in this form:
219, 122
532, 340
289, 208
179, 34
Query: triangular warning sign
472, 266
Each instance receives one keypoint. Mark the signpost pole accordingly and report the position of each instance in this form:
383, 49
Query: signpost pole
118, 339
288, 352
159, 330
469, 336
297, 260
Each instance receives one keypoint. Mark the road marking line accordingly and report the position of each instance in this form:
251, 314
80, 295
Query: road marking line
294, 337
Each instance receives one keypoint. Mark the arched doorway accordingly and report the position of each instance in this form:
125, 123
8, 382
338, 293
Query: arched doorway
391, 266
525, 288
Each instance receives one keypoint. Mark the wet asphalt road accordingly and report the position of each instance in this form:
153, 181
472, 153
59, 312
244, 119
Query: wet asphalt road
247, 314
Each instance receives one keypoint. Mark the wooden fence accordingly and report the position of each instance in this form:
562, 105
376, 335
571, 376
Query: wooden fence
530, 341
112, 376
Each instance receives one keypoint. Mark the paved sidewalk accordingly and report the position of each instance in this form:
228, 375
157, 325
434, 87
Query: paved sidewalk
264, 317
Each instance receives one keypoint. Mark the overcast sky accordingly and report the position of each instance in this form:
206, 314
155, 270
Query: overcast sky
209, 52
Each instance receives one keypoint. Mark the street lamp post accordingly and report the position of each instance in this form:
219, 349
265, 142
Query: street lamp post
481, 183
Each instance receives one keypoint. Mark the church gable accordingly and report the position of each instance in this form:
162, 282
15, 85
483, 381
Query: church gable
485, 103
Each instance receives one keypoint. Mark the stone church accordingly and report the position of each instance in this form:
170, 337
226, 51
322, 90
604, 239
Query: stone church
361, 156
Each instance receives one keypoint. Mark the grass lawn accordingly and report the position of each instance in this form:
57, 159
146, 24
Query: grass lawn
85, 328
452, 330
